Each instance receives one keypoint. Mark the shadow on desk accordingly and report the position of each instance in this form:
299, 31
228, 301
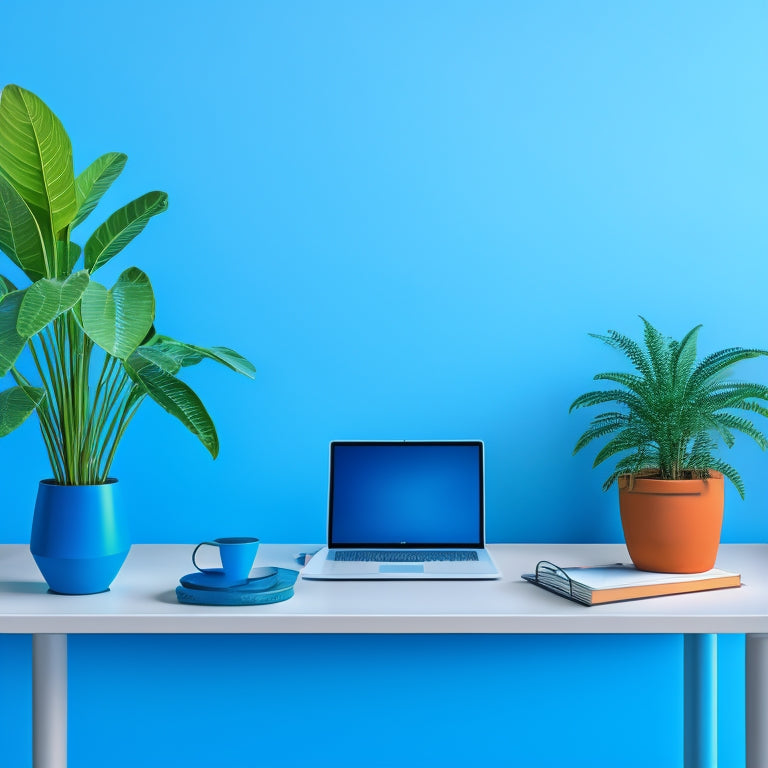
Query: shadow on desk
24, 587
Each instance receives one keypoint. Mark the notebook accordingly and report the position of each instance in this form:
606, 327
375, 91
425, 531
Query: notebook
405, 510
593, 585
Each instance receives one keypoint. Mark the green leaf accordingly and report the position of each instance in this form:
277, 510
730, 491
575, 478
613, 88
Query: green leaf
175, 397
160, 357
625, 397
745, 426
228, 357
183, 354
11, 343
36, 157
67, 255
6, 286
121, 227
20, 236
628, 439
118, 319
719, 362
191, 354
658, 353
631, 381
685, 357
729, 472
632, 464
675, 409
172, 355
94, 181
630, 348
722, 429
600, 428
48, 298
16, 404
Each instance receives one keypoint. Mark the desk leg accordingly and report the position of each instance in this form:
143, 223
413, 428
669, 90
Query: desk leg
49, 701
756, 685
700, 696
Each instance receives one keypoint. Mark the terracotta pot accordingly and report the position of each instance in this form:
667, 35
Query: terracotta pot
672, 526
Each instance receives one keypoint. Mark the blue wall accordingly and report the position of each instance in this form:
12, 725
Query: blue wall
409, 216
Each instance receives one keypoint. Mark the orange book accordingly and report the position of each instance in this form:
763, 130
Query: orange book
593, 585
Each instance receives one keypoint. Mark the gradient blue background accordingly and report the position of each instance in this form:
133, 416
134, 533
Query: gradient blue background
409, 215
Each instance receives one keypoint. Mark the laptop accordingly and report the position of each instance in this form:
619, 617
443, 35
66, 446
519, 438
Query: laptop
405, 510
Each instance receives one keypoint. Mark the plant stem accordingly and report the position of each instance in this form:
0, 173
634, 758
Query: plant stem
117, 408
130, 407
90, 436
110, 401
49, 426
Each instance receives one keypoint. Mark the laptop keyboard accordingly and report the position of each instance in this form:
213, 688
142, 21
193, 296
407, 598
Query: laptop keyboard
395, 556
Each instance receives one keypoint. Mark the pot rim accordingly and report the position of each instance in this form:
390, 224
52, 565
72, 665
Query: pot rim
53, 482
629, 483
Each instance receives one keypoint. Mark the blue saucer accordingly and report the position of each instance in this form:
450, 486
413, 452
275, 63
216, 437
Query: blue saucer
214, 579
281, 590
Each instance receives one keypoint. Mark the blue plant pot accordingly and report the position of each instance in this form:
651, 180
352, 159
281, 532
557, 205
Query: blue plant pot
79, 537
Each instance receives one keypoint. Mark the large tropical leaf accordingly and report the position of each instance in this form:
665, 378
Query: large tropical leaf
121, 227
191, 354
118, 319
20, 236
95, 180
175, 397
67, 254
16, 404
46, 299
6, 286
160, 357
36, 157
233, 360
11, 343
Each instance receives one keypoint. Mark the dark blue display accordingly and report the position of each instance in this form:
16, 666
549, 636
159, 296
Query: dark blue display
406, 494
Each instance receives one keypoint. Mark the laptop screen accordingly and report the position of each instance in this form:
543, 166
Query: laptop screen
406, 494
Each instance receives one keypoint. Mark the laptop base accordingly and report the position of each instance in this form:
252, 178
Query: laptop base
324, 568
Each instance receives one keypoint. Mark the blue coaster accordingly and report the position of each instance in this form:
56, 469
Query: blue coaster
214, 578
240, 595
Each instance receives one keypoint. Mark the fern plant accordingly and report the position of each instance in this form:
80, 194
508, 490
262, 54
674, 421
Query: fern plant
672, 414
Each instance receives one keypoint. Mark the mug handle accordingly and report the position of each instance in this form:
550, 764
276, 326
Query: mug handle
202, 544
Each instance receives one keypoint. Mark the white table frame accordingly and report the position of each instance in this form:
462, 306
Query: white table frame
142, 601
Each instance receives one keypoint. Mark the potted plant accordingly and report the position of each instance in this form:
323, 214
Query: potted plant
93, 351
671, 415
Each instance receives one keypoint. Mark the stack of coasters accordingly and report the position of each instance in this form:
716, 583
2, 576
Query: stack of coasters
265, 585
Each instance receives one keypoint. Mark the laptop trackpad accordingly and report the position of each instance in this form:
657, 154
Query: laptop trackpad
402, 568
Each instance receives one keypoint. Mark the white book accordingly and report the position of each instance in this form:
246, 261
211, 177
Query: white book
592, 585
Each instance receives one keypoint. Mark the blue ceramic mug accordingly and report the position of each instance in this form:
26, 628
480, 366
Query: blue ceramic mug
237, 554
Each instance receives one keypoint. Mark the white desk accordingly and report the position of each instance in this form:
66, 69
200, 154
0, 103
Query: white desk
142, 600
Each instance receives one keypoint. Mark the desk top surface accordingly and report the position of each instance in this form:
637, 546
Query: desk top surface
143, 600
